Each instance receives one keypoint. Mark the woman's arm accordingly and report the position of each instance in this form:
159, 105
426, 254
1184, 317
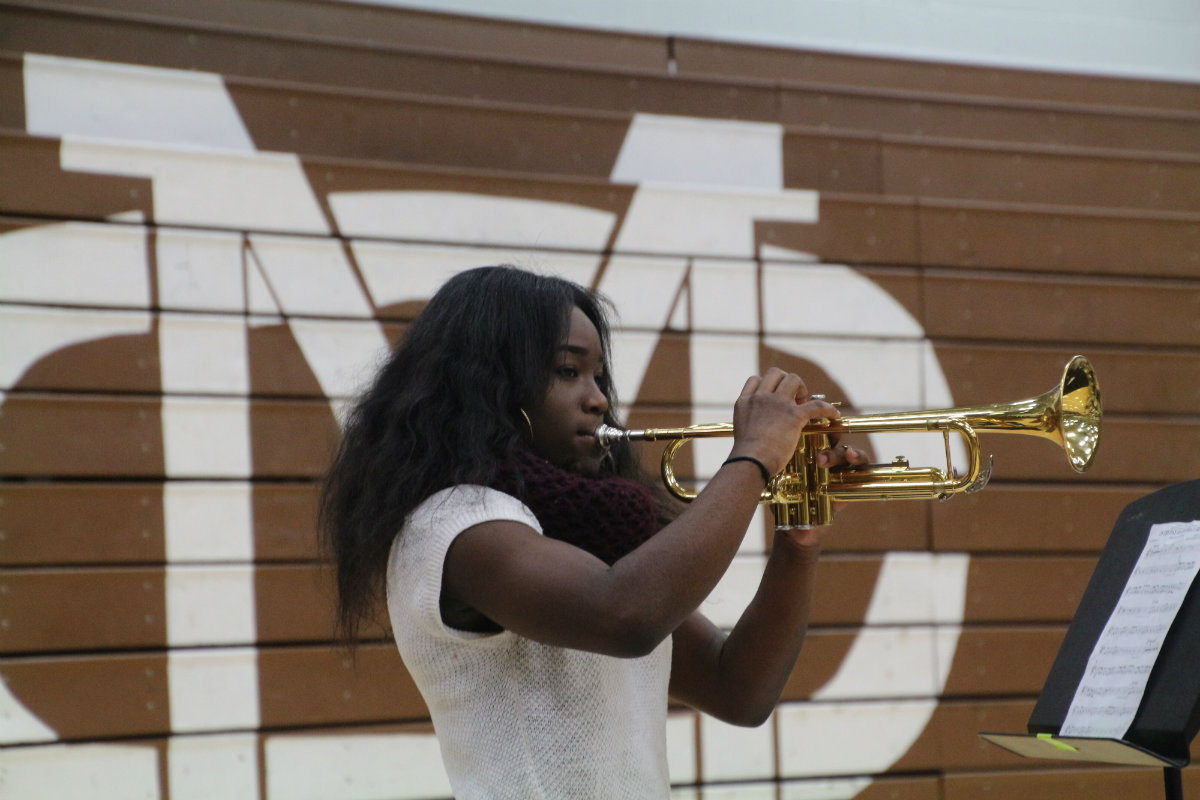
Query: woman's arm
738, 677
555, 593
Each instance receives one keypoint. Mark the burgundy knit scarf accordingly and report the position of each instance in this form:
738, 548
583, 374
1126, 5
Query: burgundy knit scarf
608, 516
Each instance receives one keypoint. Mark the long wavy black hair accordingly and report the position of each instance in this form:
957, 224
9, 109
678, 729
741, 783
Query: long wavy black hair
445, 410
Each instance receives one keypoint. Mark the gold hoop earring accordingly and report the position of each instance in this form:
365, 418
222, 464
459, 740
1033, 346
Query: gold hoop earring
528, 422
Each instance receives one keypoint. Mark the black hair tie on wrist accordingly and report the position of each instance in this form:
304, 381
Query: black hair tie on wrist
766, 473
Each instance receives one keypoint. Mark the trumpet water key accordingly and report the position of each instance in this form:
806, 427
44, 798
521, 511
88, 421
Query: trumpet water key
802, 495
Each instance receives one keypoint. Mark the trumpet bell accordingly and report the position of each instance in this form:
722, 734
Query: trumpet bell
1068, 414
1080, 413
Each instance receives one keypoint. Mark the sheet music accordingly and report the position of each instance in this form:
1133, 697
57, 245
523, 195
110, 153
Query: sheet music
1111, 690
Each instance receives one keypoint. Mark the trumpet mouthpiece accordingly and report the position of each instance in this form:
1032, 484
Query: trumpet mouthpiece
607, 434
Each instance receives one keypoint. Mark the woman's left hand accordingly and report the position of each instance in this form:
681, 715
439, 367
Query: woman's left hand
844, 455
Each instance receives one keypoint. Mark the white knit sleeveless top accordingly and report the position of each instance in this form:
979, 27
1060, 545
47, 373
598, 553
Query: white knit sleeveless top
515, 718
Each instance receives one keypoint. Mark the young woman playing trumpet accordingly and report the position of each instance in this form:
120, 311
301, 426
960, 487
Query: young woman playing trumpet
541, 595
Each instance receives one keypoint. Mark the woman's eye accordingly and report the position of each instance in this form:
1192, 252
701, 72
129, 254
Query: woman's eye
567, 371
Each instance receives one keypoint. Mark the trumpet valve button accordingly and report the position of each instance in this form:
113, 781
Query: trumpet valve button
900, 462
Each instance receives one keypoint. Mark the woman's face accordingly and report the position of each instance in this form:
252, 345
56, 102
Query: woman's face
564, 424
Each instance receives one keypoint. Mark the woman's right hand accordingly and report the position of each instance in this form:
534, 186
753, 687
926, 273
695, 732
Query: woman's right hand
769, 415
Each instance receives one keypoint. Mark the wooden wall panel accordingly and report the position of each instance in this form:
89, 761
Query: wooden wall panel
1009, 661
382, 27
874, 527
90, 436
1096, 782
60, 523
853, 229
987, 661
402, 129
846, 162
1151, 452
88, 697
1063, 240
65, 436
370, 687
99, 522
1087, 311
916, 788
99, 362
36, 186
731, 60
187, 299
307, 615
955, 118
1015, 517
1132, 379
1021, 589
285, 522
860, 229
94, 697
956, 724
1041, 175
50, 610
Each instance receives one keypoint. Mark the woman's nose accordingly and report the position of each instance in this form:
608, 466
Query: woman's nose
597, 401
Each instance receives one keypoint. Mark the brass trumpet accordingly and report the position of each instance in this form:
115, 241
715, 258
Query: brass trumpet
802, 495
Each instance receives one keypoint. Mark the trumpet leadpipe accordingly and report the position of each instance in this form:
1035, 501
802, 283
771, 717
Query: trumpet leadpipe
607, 434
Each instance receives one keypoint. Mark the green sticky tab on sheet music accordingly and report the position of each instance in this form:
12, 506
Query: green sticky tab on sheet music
1046, 737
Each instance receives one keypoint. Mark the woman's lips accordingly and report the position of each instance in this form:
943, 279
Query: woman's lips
589, 439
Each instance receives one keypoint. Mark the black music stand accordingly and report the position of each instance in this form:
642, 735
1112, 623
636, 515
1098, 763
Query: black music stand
1169, 715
